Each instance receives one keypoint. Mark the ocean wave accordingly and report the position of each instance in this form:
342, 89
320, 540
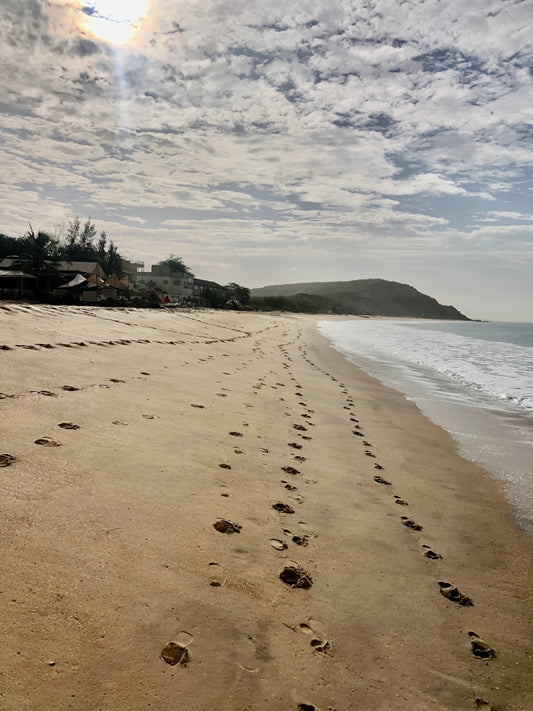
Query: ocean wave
501, 371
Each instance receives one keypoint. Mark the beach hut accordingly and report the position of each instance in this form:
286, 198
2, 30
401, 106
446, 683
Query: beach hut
16, 283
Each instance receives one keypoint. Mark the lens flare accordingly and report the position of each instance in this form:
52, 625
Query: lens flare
114, 21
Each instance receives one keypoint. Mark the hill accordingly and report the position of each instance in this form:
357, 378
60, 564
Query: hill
372, 297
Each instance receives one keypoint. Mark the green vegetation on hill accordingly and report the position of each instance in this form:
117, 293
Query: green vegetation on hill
373, 297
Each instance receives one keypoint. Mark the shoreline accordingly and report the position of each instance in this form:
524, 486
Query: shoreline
485, 430
110, 552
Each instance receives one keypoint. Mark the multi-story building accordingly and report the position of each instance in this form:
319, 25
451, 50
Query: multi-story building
177, 285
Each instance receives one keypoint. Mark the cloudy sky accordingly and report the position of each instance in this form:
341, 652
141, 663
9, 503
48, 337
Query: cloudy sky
267, 141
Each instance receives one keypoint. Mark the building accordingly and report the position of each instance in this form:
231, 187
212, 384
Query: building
179, 286
131, 269
16, 284
209, 292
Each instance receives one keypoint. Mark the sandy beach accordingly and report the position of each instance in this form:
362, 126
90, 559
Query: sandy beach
165, 467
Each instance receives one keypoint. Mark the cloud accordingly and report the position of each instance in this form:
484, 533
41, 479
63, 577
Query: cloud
378, 124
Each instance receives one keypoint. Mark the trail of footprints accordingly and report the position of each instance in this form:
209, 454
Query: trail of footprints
294, 575
479, 648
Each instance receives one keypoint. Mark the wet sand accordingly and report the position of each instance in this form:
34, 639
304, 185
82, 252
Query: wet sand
213, 453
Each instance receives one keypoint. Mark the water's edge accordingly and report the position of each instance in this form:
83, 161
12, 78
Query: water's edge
500, 442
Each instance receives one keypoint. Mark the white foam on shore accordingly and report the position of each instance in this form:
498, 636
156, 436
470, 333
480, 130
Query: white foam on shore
480, 391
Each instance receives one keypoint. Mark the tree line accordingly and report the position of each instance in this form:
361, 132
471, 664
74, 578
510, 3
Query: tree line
37, 253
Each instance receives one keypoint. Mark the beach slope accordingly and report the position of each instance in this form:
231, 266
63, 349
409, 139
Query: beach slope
214, 510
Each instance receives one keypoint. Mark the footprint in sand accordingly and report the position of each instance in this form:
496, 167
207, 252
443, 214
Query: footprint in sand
411, 524
68, 426
69, 388
318, 642
236, 434
278, 544
225, 526
238, 450
225, 466
47, 442
44, 392
370, 454
294, 445
298, 458
432, 555
149, 417
296, 577
176, 652
119, 422
480, 649
216, 575
247, 656
6, 460
290, 470
378, 466
116, 380
283, 508
380, 480
400, 501
200, 407
289, 487
300, 428
452, 593
300, 540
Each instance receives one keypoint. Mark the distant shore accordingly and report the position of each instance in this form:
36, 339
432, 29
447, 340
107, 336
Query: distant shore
130, 433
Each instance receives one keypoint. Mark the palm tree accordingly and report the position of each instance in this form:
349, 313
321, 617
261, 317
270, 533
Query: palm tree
39, 253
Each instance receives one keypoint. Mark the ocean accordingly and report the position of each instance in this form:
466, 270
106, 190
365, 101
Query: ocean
473, 379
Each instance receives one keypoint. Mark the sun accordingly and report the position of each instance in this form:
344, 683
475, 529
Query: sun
114, 21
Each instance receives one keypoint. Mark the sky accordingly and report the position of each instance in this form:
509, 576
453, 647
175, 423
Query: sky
279, 142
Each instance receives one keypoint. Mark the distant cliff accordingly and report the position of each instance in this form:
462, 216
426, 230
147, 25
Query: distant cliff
372, 297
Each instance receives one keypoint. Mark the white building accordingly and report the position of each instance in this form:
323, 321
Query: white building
178, 285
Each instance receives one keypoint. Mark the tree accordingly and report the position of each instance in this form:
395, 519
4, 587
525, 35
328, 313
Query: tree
241, 293
87, 235
38, 253
79, 245
102, 245
79, 241
8, 246
112, 262
175, 264
73, 233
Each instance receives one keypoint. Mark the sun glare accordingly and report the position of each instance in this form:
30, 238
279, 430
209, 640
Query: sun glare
114, 21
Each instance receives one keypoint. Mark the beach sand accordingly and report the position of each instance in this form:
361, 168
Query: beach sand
109, 551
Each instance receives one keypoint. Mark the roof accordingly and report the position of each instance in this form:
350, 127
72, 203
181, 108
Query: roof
63, 266
78, 279
14, 273
87, 267
210, 284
